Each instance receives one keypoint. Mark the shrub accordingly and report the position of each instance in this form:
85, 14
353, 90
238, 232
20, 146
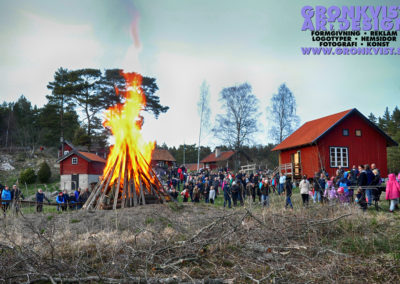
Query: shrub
44, 172
27, 176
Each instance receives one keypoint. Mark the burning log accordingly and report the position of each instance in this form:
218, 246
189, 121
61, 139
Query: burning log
128, 180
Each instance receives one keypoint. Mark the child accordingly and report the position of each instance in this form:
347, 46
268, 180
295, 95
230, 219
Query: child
330, 191
212, 194
341, 195
360, 199
185, 194
392, 192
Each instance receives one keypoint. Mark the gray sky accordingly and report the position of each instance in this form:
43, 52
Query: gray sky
182, 43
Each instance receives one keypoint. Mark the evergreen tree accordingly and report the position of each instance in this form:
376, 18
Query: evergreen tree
44, 172
372, 118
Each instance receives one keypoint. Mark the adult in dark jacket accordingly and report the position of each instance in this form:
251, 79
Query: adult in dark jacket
362, 181
83, 196
72, 201
288, 189
370, 178
227, 193
174, 194
40, 197
376, 191
17, 196
235, 191
318, 190
265, 190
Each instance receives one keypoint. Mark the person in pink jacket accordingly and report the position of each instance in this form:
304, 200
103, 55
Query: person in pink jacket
392, 191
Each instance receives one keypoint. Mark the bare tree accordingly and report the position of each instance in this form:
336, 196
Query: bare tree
237, 126
203, 108
282, 114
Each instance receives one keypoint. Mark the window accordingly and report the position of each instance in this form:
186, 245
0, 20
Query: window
339, 156
66, 152
345, 132
358, 132
74, 160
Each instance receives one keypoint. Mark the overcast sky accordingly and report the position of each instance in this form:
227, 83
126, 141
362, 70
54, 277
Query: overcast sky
183, 42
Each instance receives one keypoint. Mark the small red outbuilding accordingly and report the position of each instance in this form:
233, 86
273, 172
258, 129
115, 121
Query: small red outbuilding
343, 139
80, 169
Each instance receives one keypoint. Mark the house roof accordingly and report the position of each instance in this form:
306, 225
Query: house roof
162, 155
193, 166
90, 157
222, 157
69, 144
313, 130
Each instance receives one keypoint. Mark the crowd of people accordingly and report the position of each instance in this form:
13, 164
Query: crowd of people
11, 199
361, 185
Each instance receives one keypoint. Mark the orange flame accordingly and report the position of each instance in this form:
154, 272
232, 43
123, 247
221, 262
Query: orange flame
130, 150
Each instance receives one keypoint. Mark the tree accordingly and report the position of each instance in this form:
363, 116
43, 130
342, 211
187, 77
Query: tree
283, 114
390, 124
7, 123
86, 94
26, 132
27, 176
61, 95
44, 172
113, 78
372, 118
81, 137
50, 127
203, 108
238, 124
191, 151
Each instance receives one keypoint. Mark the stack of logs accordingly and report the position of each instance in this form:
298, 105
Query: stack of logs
126, 193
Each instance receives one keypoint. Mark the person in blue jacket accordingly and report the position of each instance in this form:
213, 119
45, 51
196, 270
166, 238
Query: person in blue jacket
40, 197
77, 193
61, 201
6, 199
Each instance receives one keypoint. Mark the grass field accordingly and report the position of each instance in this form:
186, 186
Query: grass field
187, 242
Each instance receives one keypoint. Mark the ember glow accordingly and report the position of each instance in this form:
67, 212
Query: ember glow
130, 155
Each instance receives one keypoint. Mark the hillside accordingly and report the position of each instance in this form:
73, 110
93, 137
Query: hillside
11, 164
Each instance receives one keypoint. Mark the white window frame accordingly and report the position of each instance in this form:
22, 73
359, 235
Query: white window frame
74, 160
339, 156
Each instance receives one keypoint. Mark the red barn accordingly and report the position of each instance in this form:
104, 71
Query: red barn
80, 169
343, 139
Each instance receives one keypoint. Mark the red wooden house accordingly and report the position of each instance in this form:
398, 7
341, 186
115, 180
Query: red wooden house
79, 169
343, 139
225, 159
162, 158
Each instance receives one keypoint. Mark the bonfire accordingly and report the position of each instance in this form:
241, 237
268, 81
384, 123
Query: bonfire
128, 179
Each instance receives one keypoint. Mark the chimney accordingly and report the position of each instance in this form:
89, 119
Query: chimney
217, 152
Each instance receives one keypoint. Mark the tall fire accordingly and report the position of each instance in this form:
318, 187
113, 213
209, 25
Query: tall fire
128, 179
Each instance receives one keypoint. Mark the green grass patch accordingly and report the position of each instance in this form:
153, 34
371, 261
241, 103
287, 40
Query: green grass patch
149, 221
